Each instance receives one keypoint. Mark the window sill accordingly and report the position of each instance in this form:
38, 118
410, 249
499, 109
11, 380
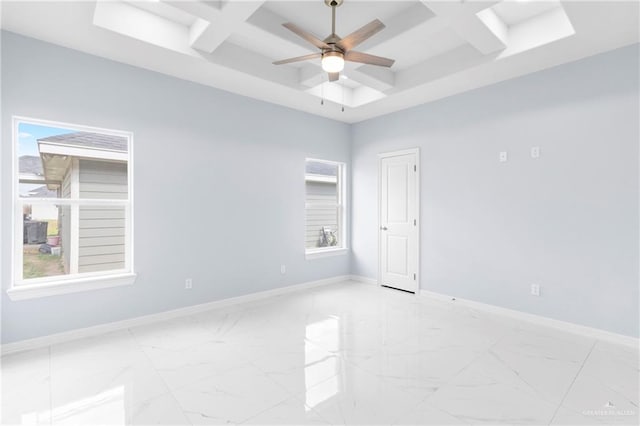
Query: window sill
318, 253
54, 288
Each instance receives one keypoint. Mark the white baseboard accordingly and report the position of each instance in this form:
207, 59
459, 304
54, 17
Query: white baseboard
595, 333
570, 327
44, 341
40, 342
361, 279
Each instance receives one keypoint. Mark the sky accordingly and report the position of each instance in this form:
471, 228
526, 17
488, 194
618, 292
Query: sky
28, 134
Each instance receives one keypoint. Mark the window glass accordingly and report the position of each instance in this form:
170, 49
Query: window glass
324, 205
73, 202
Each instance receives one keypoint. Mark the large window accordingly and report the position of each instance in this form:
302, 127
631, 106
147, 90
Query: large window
325, 211
72, 208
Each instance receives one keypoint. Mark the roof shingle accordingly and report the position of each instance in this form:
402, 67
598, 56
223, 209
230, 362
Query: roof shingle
90, 140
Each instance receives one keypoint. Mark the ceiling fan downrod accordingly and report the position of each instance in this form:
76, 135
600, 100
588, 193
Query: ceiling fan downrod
333, 4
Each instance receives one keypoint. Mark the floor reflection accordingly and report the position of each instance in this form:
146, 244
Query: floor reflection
318, 365
106, 407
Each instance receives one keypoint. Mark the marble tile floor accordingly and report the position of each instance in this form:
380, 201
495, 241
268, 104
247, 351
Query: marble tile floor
348, 353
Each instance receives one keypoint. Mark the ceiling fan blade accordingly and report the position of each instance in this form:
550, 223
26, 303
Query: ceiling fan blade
298, 58
365, 58
334, 76
306, 35
358, 36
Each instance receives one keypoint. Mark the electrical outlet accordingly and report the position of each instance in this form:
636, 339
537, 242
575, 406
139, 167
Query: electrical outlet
535, 152
188, 284
535, 289
503, 157
283, 269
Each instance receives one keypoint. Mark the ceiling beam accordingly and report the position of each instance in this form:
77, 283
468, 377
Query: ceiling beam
463, 19
215, 25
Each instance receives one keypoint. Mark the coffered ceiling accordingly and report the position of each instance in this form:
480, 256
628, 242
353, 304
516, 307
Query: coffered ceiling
440, 47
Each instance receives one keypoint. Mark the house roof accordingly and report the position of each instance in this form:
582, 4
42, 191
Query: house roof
30, 164
43, 192
89, 140
58, 151
321, 168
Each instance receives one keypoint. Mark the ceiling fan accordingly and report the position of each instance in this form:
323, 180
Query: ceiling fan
336, 50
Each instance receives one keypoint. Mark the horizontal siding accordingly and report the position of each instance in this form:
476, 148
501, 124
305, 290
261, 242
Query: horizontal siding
102, 167
101, 223
321, 188
118, 176
99, 259
322, 198
103, 180
90, 251
101, 267
103, 187
103, 195
102, 228
321, 212
101, 232
102, 241
102, 213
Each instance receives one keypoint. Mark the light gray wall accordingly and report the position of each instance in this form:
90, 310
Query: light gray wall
196, 149
567, 221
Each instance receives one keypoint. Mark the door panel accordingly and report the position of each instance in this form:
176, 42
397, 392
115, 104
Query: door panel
398, 221
397, 259
397, 176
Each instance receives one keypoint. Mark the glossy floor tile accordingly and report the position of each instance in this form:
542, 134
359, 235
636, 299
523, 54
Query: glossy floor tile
347, 353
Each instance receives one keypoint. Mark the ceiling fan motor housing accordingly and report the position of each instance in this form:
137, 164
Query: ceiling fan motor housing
333, 3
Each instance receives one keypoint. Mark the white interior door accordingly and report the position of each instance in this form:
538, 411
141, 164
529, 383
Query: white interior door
399, 207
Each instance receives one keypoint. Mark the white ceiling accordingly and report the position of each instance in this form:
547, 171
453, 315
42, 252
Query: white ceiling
441, 47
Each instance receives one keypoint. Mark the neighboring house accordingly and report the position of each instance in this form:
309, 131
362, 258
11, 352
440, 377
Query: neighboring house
85, 165
31, 178
321, 199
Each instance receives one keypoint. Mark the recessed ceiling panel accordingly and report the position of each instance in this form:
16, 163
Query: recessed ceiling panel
515, 12
166, 11
315, 16
417, 45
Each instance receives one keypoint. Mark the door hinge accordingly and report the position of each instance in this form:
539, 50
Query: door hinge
414, 277
415, 168
414, 222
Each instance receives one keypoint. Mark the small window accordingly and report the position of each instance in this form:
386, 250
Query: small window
325, 211
72, 201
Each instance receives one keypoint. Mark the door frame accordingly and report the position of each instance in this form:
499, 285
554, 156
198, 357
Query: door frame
382, 156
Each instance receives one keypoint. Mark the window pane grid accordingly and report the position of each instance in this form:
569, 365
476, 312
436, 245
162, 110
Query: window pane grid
323, 205
72, 209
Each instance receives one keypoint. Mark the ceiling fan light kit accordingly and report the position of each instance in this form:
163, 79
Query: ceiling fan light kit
333, 62
334, 51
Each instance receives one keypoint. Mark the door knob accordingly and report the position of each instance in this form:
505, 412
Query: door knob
383, 228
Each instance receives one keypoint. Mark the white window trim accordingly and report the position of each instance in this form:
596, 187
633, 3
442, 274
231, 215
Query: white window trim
74, 285
21, 289
325, 252
343, 249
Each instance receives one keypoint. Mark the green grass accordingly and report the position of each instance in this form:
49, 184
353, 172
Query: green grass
38, 265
